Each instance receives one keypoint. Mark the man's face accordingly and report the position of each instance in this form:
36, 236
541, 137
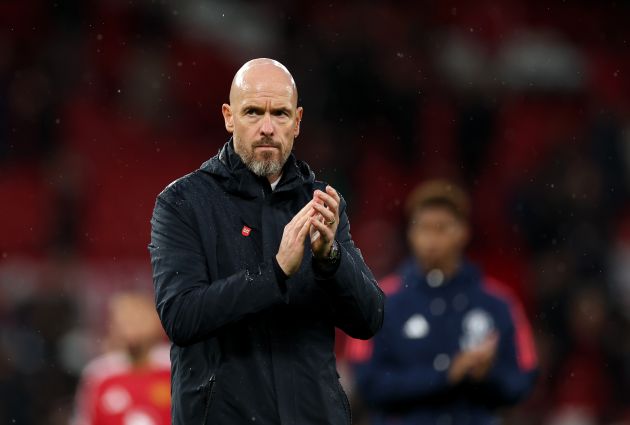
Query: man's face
437, 237
264, 119
133, 322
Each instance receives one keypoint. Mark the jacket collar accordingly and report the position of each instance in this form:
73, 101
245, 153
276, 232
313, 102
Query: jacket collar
238, 179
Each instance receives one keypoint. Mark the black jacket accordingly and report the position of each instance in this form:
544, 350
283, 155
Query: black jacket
248, 346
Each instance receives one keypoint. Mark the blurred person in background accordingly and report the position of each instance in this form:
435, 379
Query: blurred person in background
130, 383
36, 386
254, 267
455, 345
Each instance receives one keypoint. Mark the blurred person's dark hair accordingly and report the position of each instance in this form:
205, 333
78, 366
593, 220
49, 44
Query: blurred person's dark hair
439, 193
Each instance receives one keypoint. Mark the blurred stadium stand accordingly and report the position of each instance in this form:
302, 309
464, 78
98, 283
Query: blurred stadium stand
104, 102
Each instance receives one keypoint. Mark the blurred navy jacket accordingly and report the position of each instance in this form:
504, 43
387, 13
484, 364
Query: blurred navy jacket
427, 322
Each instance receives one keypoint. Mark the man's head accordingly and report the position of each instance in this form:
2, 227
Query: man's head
134, 325
263, 115
438, 224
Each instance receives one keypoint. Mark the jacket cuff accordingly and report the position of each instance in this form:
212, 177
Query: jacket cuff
281, 276
324, 269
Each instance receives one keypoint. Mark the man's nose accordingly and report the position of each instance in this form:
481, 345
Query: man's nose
266, 127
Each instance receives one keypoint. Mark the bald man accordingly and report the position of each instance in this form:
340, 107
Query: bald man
254, 267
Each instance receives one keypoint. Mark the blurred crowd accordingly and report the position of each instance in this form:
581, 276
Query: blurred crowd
104, 102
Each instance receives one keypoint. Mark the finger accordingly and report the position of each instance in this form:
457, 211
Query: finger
317, 214
484, 356
304, 230
327, 198
327, 214
333, 192
490, 343
304, 211
324, 230
331, 202
296, 222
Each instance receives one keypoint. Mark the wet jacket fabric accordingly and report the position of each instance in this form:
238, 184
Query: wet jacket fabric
427, 322
248, 345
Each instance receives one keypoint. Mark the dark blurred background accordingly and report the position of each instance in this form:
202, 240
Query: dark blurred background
527, 103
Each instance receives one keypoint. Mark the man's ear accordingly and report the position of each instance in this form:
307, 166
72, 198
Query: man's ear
228, 117
298, 117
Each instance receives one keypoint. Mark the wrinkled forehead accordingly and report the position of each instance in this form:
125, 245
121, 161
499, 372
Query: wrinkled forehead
262, 91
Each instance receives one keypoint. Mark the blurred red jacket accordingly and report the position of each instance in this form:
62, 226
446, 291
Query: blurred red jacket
137, 397
112, 392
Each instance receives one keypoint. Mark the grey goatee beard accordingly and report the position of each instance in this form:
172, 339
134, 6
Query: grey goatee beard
268, 165
265, 167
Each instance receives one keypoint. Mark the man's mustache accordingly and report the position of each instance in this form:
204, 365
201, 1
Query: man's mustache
267, 142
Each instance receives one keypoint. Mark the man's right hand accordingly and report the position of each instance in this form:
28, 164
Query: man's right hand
291, 249
475, 363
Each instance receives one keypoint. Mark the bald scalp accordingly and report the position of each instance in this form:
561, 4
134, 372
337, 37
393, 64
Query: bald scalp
258, 71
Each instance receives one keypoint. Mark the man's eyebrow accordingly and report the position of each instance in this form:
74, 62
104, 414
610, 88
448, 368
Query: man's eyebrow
259, 108
253, 107
281, 109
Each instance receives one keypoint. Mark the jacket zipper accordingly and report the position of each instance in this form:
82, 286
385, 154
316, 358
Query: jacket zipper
209, 397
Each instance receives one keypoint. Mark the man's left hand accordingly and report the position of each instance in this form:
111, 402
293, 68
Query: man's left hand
475, 363
324, 224
486, 355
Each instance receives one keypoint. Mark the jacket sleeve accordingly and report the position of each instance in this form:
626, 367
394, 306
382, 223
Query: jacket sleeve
192, 305
355, 298
514, 372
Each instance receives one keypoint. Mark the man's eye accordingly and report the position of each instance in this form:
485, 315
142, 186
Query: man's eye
281, 113
250, 112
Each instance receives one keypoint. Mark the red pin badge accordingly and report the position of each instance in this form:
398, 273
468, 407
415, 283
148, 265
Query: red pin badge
246, 231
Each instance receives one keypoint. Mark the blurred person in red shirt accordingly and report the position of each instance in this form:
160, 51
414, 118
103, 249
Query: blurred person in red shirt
130, 383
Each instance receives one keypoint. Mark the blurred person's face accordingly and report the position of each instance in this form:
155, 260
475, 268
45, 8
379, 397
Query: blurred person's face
587, 315
134, 324
263, 116
437, 238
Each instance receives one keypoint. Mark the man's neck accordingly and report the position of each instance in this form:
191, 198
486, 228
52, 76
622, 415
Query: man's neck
448, 267
451, 268
139, 356
274, 180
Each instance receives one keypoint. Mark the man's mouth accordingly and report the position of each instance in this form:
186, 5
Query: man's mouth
266, 146
266, 143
